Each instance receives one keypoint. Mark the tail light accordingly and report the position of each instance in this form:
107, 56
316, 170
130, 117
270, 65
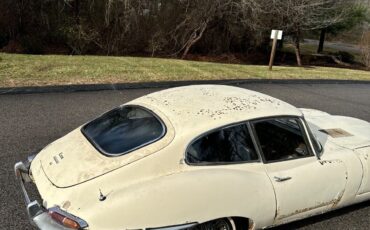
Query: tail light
66, 219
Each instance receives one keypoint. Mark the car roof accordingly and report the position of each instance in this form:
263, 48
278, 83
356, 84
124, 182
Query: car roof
199, 108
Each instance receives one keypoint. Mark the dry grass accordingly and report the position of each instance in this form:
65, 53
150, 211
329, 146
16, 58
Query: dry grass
37, 70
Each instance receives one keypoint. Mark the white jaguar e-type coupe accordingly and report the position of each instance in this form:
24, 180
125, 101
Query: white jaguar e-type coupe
202, 157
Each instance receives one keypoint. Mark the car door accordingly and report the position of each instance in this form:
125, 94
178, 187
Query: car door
303, 185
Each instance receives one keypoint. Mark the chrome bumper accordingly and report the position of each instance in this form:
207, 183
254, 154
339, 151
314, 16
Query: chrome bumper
38, 215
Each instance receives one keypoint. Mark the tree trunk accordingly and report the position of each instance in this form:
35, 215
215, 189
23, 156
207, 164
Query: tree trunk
297, 50
77, 11
194, 38
322, 40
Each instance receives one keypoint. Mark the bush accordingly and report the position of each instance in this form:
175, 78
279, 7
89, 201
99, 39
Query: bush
32, 44
3, 40
345, 57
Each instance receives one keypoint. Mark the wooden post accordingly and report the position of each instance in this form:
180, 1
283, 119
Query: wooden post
273, 51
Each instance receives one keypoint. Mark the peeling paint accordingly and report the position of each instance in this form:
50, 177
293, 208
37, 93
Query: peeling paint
336, 132
333, 204
66, 205
323, 162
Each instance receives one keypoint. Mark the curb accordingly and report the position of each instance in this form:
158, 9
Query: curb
165, 84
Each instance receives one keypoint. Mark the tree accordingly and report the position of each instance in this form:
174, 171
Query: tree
356, 14
295, 17
307, 15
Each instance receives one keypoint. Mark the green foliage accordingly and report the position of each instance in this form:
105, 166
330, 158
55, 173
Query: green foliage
357, 15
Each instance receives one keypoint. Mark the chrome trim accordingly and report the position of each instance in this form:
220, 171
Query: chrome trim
309, 137
21, 173
37, 214
227, 126
30, 158
175, 227
164, 131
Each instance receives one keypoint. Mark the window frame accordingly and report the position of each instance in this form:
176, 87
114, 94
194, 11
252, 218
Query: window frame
104, 153
301, 123
259, 160
312, 138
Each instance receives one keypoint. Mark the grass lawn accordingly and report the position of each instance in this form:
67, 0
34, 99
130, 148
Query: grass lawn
37, 70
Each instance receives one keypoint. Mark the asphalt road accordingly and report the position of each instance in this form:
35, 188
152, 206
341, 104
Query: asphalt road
30, 121
351, 48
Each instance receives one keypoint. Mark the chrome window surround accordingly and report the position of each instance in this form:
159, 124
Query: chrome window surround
164, 131
223, 163
302, 124
310, 135
303, 132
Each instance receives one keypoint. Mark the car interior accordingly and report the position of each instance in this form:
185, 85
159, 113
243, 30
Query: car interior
281, 139
232, 144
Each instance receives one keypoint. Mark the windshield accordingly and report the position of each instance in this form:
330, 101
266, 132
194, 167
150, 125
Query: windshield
123, 130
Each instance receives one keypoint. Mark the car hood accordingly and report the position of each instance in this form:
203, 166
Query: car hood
72, 159
347, 132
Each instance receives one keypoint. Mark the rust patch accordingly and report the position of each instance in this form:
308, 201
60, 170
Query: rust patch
235, 104
322, 162
336, 133
251, 225
333, 204
66, 205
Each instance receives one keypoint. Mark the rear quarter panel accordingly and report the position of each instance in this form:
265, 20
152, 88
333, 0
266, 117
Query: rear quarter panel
161, 190
195, 195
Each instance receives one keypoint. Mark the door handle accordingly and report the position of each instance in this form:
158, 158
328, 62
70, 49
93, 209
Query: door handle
281, 179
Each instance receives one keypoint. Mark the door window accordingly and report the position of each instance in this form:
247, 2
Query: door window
281, 139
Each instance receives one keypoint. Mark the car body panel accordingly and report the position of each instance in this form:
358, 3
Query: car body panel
353, 150
196, 109
174, 197
295, 199
356, 131
154, 187
364, 155
72, 159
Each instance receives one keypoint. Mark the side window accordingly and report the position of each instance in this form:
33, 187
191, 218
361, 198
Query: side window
316, 144
281, 139
228, 145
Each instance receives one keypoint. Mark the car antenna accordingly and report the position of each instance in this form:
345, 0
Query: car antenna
101, 197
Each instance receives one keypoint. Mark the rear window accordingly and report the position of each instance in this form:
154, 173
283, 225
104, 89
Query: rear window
123, 130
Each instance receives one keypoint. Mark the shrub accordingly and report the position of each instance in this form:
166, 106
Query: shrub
345, 57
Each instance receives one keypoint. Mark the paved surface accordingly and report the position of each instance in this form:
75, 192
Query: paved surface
351, 48
28, 122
